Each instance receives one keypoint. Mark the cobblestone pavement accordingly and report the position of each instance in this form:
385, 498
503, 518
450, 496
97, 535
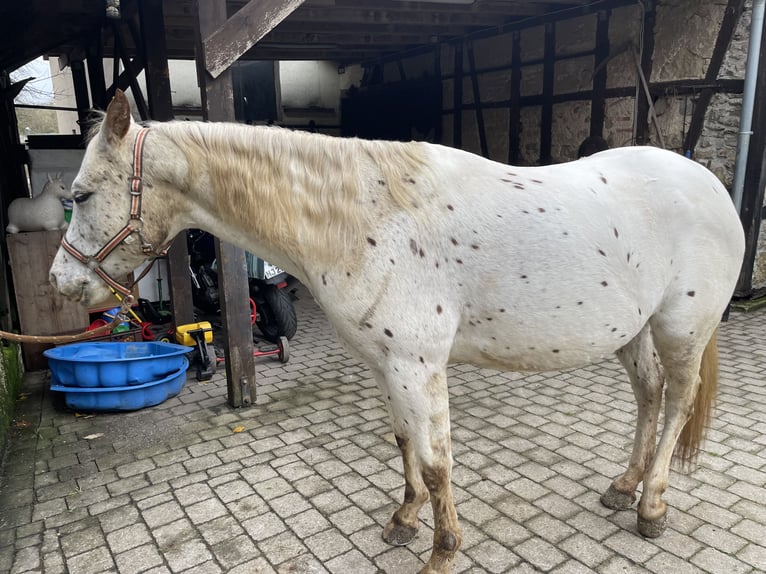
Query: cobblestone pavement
304, 481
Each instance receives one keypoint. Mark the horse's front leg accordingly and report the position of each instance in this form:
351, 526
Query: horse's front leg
419, 402
403, 526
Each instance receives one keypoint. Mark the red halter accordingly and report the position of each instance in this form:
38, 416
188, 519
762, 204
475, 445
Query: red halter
134, 225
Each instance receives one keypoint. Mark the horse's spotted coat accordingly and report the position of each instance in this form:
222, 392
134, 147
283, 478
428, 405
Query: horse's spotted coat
504, 267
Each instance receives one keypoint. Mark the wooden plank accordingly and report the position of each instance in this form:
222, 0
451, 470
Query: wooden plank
42, 309
224, 44
218, 105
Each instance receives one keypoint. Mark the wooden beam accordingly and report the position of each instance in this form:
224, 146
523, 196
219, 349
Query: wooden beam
477, 101
647, 55
457, 117
218, 105
132, 73
598, 103
224, 44
96, 78
661, 89
728, 26
514, 104
80, 81
546, 115
161, 109
439, 130
155, 55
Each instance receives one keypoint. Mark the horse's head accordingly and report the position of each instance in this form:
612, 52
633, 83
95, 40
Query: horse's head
123, 208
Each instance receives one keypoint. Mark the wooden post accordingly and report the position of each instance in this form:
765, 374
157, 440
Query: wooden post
218, 105
642, 103
161, 109
82, 100
546, 116
477, 102
457, 118
133, 71
514, 110
13, 184
96, 79
438, 133
598, 102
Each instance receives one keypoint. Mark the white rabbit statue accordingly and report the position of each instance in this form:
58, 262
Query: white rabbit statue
42, 213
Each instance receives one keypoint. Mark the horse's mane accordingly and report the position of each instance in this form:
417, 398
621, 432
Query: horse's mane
309, 184
93, 124
397, 161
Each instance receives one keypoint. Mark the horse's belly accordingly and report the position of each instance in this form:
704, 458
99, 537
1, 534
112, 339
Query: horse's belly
542, 345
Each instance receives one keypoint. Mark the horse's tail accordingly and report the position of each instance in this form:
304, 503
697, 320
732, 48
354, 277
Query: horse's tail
693, 433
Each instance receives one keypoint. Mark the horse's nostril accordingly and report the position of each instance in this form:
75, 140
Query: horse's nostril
52, 279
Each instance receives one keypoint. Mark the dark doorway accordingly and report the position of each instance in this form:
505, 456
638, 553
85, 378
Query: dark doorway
404, 111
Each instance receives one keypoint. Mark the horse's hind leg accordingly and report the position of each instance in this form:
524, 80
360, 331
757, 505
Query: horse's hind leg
688, 399
640, 361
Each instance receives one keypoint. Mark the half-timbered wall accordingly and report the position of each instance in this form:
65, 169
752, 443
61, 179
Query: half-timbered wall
684, 36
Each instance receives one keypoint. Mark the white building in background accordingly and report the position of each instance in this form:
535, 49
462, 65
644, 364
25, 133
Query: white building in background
306, 91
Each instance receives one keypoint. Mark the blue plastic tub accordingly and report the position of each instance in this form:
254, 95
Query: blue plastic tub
95, 365
127, 398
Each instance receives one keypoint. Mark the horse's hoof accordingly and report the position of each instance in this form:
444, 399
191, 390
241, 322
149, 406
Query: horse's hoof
652, 528
399, 534
617, 500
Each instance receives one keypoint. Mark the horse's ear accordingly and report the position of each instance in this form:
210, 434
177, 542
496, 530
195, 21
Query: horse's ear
117, 119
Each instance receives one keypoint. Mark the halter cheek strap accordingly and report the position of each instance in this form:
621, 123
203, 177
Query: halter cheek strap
134, 225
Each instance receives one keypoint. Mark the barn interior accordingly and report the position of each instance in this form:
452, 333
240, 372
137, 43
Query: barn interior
490, 76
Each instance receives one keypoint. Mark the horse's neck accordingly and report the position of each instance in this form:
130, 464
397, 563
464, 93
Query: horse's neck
288, 194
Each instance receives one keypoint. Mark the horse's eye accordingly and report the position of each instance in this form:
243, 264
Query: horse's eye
82, 197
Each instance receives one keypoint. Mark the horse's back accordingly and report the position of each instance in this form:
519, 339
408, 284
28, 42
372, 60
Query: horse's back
560, 265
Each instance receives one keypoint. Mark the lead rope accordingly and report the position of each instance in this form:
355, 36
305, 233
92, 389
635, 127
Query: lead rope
119, 317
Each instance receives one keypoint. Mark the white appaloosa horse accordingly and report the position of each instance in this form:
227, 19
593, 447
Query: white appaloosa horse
422, 255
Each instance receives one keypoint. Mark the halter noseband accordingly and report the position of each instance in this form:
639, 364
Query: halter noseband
134, 225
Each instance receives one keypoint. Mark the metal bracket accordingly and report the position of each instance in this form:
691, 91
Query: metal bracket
244, 385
